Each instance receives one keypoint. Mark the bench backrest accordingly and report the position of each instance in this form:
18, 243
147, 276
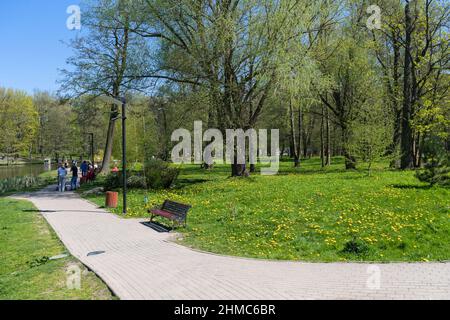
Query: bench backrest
176, 208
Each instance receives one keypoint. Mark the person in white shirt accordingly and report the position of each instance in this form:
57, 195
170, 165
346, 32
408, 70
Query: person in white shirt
62, 174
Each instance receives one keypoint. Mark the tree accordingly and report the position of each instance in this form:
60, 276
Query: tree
387, 46
415, 34
106, 59
352, 88
19, 123
230, 47
371, 132
90, 117
57, 120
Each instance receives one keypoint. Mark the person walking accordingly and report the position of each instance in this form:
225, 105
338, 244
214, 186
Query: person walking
74, 181
62, 174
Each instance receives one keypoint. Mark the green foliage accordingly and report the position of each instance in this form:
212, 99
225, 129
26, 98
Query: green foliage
356, 247
159, 174
437, 163
38, 262
371, 134
136, 182
20, 184
19, 122
112, 182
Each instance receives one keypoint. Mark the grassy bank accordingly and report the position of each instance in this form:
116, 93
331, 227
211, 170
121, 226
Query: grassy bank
310, 214
26, 243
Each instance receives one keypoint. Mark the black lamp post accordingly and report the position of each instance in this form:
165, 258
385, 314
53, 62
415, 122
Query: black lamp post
124, 156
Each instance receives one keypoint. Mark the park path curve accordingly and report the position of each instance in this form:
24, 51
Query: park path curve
140, 263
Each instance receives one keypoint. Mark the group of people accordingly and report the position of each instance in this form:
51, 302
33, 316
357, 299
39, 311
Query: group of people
88, 173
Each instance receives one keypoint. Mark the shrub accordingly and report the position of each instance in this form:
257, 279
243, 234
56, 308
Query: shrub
437, 164
19, 184
159, 175
112, 181
355, 246
136, 182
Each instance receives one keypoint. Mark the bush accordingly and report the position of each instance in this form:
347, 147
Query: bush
112, 181
19, 184
355, 246
136, 182
437, 164
159, 175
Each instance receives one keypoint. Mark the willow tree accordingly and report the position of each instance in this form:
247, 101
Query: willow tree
299, 75
353, 85
103, 57
229, 47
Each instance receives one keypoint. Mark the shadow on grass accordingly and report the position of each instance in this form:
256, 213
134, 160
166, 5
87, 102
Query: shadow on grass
185, 182
410, 186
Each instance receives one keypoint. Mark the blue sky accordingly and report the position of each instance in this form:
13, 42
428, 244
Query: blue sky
31, 50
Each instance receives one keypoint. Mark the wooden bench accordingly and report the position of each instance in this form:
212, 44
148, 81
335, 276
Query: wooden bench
177, 212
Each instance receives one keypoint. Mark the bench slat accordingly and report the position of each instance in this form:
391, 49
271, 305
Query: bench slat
165, 214
175, 208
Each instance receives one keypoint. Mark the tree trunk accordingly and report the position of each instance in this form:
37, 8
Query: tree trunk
109, 141
294, 149
322, 142
300, 136
407, 161
307, 136
328, 140
350, 161
394, 93
237, 170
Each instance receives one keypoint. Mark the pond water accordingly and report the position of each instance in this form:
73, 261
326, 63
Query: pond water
21, 170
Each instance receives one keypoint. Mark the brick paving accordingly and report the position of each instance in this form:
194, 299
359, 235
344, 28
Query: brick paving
140, 263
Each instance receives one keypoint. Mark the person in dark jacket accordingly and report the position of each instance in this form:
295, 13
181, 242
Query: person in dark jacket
74, 181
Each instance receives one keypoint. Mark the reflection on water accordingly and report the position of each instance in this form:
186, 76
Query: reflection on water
21, 171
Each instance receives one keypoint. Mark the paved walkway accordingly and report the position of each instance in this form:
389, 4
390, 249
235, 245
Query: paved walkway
140, 263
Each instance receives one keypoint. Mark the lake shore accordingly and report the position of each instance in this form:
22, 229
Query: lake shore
19, 162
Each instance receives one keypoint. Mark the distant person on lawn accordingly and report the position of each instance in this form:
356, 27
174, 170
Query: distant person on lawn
84, 169
62, 174
74, 181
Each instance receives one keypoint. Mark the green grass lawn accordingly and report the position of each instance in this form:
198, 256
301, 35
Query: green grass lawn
26, 243
309, 214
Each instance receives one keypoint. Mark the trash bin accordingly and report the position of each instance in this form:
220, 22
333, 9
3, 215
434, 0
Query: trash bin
112, 199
